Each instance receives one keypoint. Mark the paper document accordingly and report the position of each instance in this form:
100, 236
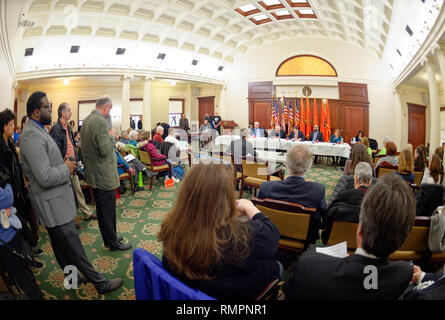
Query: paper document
129, 157
339, 250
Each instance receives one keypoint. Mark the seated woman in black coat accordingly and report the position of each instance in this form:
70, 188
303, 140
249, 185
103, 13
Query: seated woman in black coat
216, 244
349, 201
346, 205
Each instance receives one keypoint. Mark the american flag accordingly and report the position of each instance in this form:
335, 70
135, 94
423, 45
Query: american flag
275, 112
291, 117
297, 113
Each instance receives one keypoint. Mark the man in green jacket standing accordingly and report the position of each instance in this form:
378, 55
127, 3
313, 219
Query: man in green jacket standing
100, 170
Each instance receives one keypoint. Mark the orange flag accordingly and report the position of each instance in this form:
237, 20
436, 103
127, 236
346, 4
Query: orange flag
302, 118
328, 119
308, 118
316, 114
323, 122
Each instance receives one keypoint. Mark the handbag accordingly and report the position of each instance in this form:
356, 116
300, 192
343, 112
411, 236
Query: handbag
436, 240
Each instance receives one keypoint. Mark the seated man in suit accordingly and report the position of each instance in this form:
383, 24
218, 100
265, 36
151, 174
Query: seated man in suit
386, 218
258, 132
315, 136
277, 133
296, 134
295, 188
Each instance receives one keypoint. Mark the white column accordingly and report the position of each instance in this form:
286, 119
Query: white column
441, 58
398, 119
434, 106
222, 102
125, 120
146, 105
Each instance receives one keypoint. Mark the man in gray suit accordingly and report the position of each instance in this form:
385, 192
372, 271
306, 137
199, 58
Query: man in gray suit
52, 195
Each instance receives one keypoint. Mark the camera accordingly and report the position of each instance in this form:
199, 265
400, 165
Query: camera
77, 171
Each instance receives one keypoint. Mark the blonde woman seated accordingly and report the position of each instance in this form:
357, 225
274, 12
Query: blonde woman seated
406, 165
216, 244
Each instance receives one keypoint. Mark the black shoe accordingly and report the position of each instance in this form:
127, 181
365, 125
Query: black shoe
114, 284
92, 217
136, 189
37, 252
121, 246
36, 264
120, 238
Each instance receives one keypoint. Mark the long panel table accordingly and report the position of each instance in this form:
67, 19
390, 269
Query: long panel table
319, 148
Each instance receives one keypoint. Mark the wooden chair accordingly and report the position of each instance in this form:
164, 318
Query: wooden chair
270, 292
418, 175
127, 176
228, 158
384, 169
344, 231
146, 159
254, 173
294, 221
416, 245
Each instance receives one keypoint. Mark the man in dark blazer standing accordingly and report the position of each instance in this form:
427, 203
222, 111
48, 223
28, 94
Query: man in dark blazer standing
295, 188
315, 136
386, 218
52, 195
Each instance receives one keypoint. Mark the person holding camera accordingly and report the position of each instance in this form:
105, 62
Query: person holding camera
64, 138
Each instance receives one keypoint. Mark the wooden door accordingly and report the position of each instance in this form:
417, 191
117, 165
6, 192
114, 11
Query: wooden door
262, 112
416, 124
355, 121
205, 105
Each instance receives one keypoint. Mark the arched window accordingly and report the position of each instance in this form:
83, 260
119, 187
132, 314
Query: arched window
306, 65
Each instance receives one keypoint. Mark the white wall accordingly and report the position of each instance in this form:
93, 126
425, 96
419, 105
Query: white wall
161, 92
352, 63
9, 15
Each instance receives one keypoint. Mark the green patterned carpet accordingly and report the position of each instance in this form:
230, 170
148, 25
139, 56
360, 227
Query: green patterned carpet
138, 221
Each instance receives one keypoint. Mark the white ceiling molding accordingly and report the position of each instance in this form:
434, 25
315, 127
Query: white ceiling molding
229, 32
71, 72
434, 37
4, 39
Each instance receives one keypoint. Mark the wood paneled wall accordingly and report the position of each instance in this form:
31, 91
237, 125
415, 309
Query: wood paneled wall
350, 113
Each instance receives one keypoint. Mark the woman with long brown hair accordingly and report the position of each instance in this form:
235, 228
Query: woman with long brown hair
359, 154
420, 158
216, 244
432, 172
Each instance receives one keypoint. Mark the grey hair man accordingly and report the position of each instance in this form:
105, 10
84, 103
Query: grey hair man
296, 189
346, 205
100, 170
64, 138
362, 175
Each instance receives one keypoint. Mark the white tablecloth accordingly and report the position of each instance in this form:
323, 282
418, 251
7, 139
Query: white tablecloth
320, 148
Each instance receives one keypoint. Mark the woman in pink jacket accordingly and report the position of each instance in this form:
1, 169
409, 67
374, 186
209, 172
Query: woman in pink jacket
148, 145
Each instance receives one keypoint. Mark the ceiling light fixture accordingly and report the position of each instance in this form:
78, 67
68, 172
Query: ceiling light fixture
66, 81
